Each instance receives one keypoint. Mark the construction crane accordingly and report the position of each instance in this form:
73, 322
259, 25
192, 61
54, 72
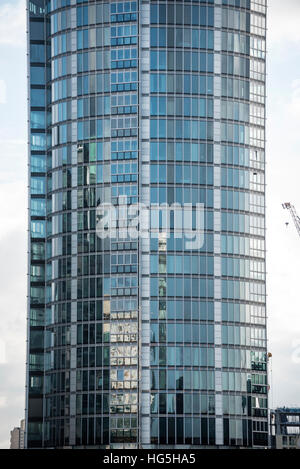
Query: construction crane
292, 210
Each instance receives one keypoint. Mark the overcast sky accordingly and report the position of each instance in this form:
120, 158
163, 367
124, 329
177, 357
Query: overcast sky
283, 173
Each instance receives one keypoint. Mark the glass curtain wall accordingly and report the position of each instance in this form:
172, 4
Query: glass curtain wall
146, 342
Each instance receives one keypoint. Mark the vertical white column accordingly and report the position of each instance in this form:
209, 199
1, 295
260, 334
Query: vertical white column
72, 439
145, 199
217, 225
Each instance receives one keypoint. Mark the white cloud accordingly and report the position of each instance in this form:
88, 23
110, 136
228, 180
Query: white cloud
294, 104
13, 319
3, 92
283, 244
5, 444
3, 401
13, 253
12, 388
13, 207
13, 215
283, 169
283, 21
13, 23
2, 352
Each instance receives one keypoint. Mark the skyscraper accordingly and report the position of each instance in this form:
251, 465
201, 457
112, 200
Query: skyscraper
154, 337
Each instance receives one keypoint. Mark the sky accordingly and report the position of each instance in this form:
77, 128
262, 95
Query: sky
283, 173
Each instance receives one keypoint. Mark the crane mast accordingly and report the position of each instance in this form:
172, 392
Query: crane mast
292, 210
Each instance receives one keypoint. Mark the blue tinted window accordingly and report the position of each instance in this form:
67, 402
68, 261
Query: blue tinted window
38, 229
37, 75
37, 53
37, 97
38, 207
37, 119
38, 163
36, 30
37, 185
38, 142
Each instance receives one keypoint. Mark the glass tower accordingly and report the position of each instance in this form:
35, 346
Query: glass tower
146, 341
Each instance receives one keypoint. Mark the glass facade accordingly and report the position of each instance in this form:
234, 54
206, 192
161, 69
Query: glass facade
146, 341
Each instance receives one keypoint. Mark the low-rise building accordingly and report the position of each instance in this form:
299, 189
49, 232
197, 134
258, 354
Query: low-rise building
285, 428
